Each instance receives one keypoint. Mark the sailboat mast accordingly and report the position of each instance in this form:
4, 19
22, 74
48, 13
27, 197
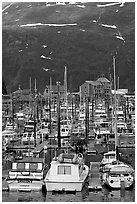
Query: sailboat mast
50, 99
115, 102
35, 92
65, 90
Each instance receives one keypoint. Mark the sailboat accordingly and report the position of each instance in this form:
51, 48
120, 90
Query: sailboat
114, 173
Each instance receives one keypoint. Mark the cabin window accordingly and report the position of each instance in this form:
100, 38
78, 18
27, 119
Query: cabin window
112, 156
33, 166
66, 170
21, 166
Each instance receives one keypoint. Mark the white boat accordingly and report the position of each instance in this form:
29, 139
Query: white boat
67, 172
117, 175
8, 136
26, 175
29, 126
64, 132
108, 158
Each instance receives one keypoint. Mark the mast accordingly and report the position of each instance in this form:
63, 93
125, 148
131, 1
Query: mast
118, 83
35, 92
115, 104
30, 95
58, 115
87, 120
50, 99
65, 91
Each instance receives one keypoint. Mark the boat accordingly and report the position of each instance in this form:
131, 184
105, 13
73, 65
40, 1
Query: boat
67, 173
26, 175
117, 175
29, 126
108, 158
8, 136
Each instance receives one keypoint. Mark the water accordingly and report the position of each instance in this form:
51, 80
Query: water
84, 196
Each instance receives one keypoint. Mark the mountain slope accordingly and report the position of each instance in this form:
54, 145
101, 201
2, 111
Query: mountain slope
81, 36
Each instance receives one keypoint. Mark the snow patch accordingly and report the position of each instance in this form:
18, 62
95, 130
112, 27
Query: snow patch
47, 4
106, 5
44, 46
108, 26
120, 37
29, 6
82, 30
52, 25
43, 57
94, 21
7, 6
46, 70
17, 20
20, 50
72, 3
81, 6
122, 4
61, 3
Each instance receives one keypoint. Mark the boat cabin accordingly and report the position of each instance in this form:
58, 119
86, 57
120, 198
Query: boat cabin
108, 157
67, 166
27, 165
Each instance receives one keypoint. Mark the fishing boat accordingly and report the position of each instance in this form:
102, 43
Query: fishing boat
67, 173
26, 175
117, 175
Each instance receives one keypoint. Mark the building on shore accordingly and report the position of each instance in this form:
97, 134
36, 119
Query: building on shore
99, 89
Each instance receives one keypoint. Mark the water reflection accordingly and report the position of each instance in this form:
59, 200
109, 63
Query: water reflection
85, 196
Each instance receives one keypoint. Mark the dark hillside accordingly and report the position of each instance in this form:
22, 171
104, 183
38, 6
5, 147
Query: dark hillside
76, 36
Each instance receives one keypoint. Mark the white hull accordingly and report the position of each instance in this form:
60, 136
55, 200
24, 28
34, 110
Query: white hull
119, 182
14, 185
118, 176
66, 186
66, 174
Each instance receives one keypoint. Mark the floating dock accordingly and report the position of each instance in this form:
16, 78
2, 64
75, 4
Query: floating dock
94, 177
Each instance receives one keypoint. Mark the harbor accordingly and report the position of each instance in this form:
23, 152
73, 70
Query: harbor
67, 136
87, 139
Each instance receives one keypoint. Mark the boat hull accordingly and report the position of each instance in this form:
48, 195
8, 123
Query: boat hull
119, 184
64, 186
15, 185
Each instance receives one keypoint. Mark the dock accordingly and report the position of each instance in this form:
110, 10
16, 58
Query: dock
94, 177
